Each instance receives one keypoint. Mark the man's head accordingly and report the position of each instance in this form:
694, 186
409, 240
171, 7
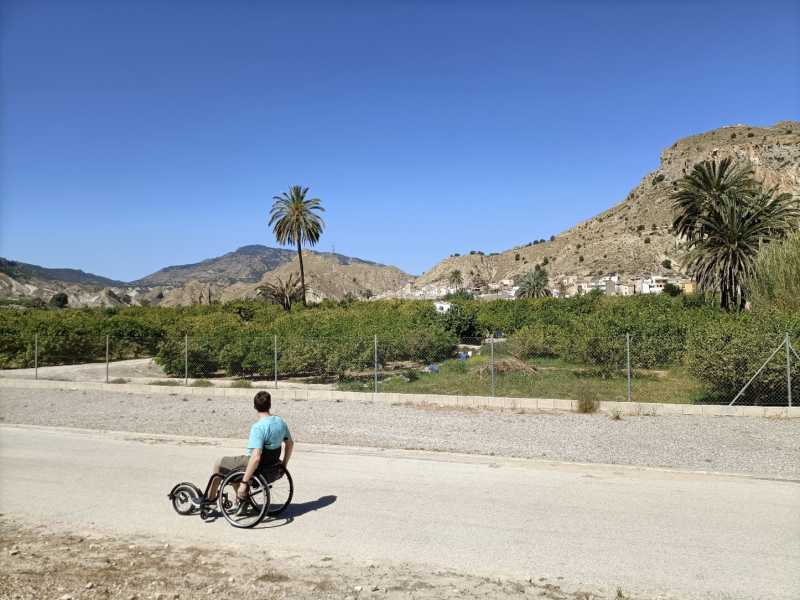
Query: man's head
262, 402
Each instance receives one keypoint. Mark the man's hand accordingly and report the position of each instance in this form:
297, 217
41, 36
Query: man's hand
241, 493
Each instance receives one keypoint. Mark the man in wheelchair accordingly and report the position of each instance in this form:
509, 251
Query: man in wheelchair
263, 452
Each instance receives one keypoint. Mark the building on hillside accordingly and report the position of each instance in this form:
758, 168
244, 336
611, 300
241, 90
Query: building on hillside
652, 285
507, 283
442, 307
624, 289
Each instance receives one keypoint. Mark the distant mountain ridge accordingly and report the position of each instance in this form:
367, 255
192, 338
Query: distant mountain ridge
20, 271
245, 265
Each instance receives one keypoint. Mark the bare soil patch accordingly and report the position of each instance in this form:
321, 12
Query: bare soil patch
66, 562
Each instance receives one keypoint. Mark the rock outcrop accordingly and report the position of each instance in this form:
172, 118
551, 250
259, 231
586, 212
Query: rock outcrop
634, 236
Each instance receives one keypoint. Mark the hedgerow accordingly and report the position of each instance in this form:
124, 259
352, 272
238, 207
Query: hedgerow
720, 349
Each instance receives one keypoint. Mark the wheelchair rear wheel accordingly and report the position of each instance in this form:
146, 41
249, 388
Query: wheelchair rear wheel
280, 493
250, 511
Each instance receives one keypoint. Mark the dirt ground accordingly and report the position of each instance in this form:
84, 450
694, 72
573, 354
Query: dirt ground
66, 562
138, 371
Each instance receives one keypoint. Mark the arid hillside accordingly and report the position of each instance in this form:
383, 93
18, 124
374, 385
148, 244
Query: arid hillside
245, 265
325, 278
633, 237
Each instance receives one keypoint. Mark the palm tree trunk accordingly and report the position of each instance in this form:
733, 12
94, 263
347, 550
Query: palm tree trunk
302, 273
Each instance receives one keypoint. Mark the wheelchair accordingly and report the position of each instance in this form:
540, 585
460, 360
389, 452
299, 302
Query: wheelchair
268, 495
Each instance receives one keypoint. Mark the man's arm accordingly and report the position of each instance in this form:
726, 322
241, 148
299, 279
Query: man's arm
287, 453
252, 465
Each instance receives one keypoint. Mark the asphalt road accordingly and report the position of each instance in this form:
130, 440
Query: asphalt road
687, 535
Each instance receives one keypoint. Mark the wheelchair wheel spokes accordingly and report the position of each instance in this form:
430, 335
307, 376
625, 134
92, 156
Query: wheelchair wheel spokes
251, 510
280, 494
182, 498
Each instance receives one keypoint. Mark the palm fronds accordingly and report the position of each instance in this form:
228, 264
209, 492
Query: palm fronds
296, 223
734, 228
534, 285
282, 293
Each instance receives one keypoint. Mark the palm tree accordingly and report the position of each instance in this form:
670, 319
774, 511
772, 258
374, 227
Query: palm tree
734, 228
703, 188
297, 223
534, 285
284, 294
455, 278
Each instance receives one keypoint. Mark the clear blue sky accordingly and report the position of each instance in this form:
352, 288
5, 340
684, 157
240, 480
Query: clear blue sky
140, 134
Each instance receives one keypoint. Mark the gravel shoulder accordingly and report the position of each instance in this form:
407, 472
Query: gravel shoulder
718, 444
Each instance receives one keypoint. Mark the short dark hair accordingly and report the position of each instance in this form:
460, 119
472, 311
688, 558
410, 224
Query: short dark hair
262, 402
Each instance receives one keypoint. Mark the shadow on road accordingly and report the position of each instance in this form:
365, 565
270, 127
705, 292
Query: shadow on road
297, 510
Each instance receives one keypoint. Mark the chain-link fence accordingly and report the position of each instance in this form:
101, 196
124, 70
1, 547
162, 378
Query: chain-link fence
698, 368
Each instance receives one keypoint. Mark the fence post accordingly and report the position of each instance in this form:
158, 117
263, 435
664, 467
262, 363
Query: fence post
106, 358
788, 371
36, 357
376, 364
276, 362
186, 362
628, 345
492, 342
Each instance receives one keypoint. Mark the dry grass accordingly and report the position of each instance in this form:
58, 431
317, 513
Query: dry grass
504, 366
616, 415
201, 383
588, 399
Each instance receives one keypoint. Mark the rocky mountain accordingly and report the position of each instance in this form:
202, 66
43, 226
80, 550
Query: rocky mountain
326, 277
247, 264
22, 271
634, 236
234, 275
80, 295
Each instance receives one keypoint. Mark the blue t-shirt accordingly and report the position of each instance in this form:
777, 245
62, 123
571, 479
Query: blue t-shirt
267, 433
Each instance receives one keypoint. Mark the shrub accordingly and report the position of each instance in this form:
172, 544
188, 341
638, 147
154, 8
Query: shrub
580, 258
667, 264
412, 374
750, 134
201, 383
588, 399
647, 240
725, 354
516, 256
545, 262
241, 383
60, 300
640, 228
733, 136
775, 282
670, 289
118, 380
167, 382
